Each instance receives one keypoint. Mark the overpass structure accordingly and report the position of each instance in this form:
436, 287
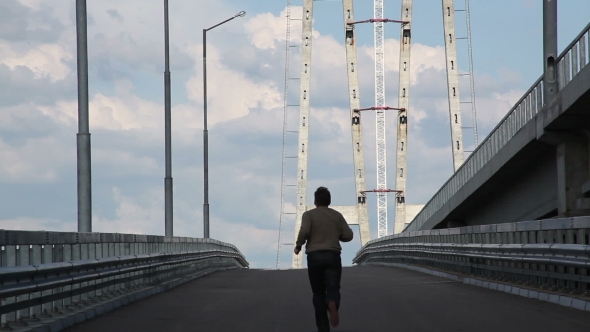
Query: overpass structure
534, 164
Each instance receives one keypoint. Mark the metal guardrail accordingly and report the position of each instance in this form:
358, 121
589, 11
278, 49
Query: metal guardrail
41, 247
551, 253
569, 64
46, 274
555, 266
574, 230
574, 58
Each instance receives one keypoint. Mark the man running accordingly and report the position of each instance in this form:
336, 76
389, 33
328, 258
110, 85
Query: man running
323, 228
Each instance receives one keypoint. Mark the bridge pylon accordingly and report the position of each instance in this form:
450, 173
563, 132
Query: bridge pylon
355, 214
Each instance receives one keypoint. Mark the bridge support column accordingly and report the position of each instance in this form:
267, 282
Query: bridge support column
573, 175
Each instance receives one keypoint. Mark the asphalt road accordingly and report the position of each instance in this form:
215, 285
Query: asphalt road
373, 299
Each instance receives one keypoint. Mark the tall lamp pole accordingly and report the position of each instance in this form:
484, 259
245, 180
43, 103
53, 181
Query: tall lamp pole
206, 132
83, 137
168, 223
550, 84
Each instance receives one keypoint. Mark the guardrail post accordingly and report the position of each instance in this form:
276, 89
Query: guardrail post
67, 257
94, 254
36, 259
86, 252
57, 253
10, 260
23, 256
76, 252
91, 250
46, 257
119, 251
76, 255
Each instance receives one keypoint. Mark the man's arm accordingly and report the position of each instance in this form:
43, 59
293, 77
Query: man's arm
346, 233
304, 231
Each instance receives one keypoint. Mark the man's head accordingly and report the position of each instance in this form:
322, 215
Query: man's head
322, 197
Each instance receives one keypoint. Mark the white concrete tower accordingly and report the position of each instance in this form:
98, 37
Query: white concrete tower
360, 209
356, 214
402, 119
453, 83
304, 97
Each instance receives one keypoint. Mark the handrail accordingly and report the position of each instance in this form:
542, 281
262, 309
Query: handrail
552, 266
570, 223
574, 42
10, 277
29, 270
36, 247
20, 237
534, 252
31, 291
43, 273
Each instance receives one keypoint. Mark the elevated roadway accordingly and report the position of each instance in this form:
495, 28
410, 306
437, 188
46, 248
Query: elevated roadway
533, 165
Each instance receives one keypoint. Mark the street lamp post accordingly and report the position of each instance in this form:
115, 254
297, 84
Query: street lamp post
168, 215
550, 83
83, 136
205, 131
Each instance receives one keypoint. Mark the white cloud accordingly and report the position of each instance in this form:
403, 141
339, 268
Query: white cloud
246, 236
133, 215
45, 61
231, 93
33, 4
37, 160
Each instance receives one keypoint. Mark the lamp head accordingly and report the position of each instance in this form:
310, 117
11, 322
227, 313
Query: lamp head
241, 14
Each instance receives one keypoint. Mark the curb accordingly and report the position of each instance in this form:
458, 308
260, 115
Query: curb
102, 308
562, 300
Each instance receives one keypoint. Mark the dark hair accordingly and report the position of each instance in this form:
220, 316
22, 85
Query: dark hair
322, 196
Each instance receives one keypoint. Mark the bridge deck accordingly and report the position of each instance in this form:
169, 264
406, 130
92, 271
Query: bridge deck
374, 299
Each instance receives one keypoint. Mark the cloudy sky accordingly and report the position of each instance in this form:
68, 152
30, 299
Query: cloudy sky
38, 109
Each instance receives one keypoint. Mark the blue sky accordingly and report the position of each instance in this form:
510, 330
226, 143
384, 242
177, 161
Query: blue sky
246, 61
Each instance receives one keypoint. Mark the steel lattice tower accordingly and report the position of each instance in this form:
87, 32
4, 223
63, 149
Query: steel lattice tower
380, 119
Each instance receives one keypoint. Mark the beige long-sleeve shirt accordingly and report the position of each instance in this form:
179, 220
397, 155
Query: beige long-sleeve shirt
323, 228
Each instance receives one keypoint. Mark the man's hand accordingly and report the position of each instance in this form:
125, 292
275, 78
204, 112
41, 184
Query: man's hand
297, 250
